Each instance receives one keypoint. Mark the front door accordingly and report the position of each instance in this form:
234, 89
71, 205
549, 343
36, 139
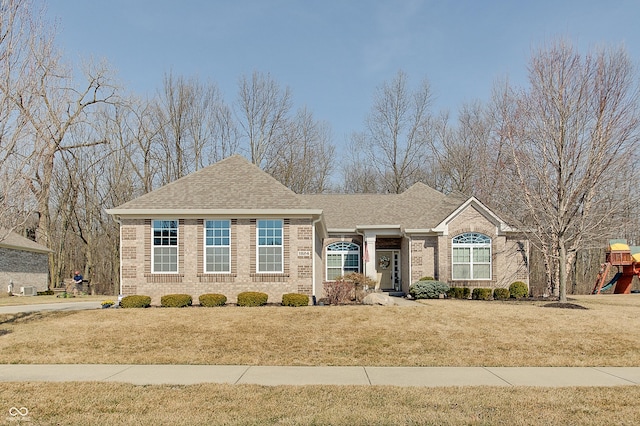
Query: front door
388, 265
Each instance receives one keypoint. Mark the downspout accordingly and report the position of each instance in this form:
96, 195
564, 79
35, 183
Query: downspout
313, 258
410, 262
119, 222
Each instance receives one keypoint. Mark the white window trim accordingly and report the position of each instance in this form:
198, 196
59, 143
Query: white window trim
471, 263
204, 243
342, 253
258, 247
153, 247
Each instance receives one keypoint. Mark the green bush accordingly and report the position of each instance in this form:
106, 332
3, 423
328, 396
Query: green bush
212, 299
295, 299
459, 292
176, 300
501, 293
45, 293
518, 290
428, 289
481, 294
135, 301
427, 279
252, 298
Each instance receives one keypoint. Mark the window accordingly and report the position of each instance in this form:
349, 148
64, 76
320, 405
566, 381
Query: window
270, 247
217, 242
342, 258
165, 246
471, 257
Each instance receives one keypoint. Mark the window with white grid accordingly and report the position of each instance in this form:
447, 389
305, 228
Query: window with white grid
165, 245
217, 243
471, 257
270, 246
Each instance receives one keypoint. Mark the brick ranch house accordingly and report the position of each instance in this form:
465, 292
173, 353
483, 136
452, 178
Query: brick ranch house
231, 227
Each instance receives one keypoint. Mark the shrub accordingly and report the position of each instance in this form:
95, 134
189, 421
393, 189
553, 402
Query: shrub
427, 279
339, 292
428, 289
212, 299
459, 292
360, 281
518, 290
501, 293
481, 294
135, 301
175, 300
295, 299
252, 298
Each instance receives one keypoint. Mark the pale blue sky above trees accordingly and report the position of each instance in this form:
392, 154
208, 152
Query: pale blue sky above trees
334, 53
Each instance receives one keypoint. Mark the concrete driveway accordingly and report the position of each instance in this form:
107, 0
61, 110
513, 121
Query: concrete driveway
64, 306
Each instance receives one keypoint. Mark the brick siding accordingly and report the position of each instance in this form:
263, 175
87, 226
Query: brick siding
191, 278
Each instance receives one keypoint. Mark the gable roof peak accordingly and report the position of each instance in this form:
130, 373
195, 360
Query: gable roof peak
231, 183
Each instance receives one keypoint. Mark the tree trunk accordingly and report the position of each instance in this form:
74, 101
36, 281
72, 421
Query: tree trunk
562, 265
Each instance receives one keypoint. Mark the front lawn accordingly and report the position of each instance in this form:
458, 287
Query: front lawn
440, 333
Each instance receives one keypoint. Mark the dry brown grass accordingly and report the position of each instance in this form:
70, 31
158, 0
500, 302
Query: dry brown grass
441, 333
123, 404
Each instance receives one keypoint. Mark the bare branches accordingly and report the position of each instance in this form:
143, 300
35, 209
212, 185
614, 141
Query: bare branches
263, 109
572, 139
397, 132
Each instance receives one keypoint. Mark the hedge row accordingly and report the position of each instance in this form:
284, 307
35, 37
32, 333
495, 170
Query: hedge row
247, 298
516, 290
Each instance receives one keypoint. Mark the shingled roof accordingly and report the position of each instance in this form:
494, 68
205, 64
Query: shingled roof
231, 184
11, 240
419, 207
236, 186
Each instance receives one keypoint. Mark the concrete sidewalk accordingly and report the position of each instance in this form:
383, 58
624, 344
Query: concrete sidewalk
290, 375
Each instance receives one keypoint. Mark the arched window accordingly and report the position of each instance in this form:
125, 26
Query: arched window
342, 258
471, 257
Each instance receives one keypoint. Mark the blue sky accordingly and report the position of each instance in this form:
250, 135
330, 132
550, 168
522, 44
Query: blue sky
332, 54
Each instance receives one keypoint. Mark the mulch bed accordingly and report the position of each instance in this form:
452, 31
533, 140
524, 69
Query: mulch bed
563, 305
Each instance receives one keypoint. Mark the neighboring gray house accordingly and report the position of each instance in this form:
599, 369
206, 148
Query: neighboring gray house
23, 262
231, 227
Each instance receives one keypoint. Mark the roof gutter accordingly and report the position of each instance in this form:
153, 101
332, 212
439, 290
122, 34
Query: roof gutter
151, 212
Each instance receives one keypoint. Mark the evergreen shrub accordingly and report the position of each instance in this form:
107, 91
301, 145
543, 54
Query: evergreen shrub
212, 299
252, 298
295, 299
501, 293
518, 290
481, 294
135, 301
428, 289
459, 292
176, 300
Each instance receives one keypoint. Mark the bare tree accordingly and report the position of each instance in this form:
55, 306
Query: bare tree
17, 203
42, 100
193, 126
263, 111
357, 174
571, 137
397, 131
304, 159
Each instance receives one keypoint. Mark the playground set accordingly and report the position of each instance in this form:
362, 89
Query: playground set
627, 261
